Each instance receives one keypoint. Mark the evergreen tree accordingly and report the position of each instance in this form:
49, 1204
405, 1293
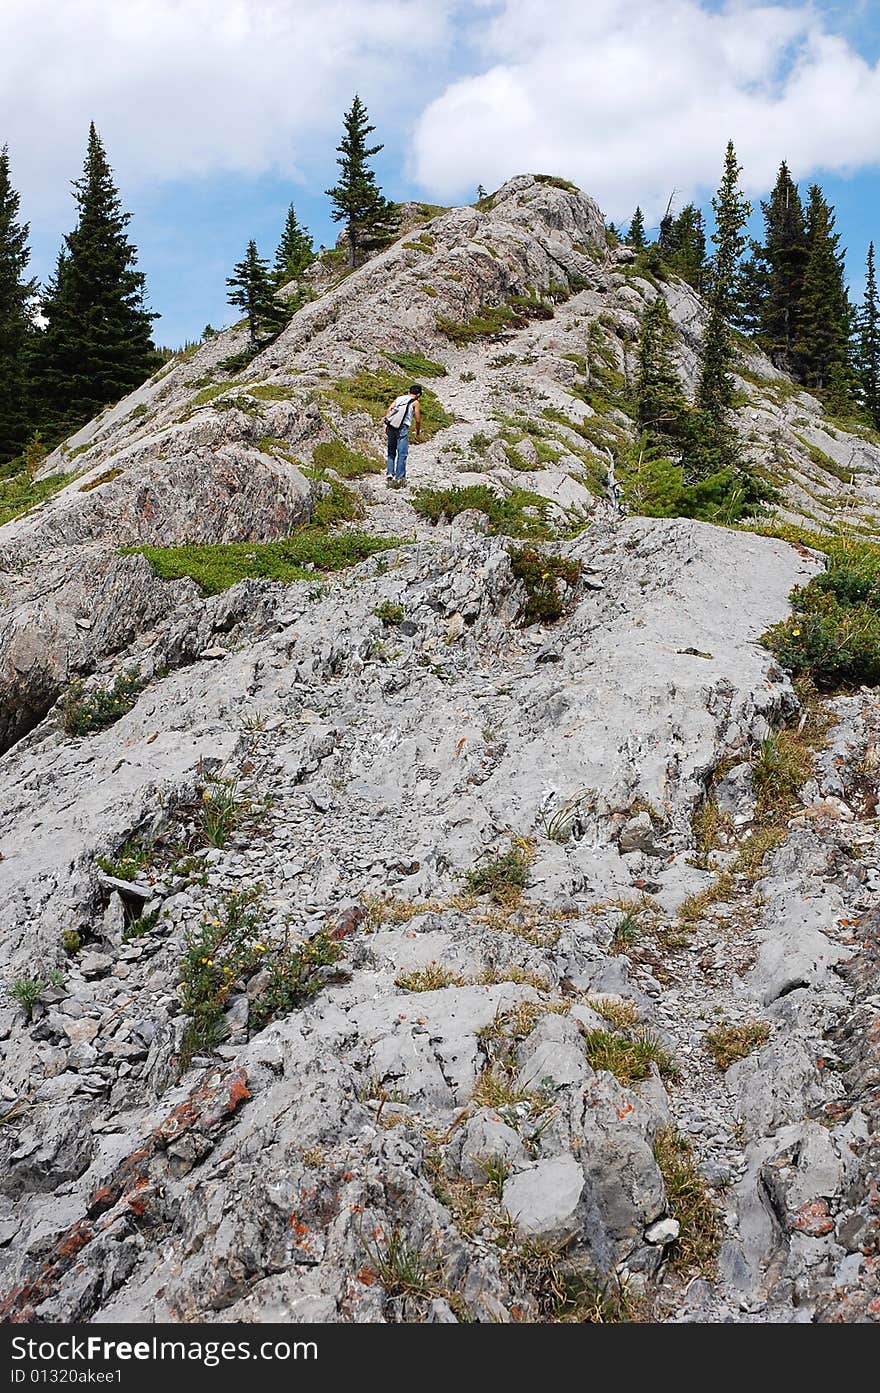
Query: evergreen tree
251, 290
869, 343
295, 252
636, 235
96, 345
659, 395
732, 211
825, 320
689, 240
780, 269
370, 219
666, 234
481, 193
16, 327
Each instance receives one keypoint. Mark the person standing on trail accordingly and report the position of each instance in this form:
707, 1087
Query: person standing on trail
402, 412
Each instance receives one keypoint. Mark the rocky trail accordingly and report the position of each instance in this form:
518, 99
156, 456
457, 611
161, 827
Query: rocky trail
373, 951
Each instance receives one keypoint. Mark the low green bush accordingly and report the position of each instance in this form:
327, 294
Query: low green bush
83, 712
519, 514
833, 637
217, 566
225, 951
541, 577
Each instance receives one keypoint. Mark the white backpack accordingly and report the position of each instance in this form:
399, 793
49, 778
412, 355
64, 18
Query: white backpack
397, 415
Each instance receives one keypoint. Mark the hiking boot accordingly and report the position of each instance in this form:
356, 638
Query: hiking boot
389, 481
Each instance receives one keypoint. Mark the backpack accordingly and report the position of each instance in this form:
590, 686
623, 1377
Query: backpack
398, 413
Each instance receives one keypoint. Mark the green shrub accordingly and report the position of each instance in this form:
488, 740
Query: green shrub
541, 575
502, 877
83, 712
216, 566
71, 942
389, 613
557, 183
518, 514
225, 951
417, 365
350, 464
490, 321
128, 862
833, 638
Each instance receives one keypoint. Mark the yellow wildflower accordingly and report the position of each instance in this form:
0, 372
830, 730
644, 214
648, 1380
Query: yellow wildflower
795, 633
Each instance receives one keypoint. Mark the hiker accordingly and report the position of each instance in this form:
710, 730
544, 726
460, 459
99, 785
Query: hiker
401, 413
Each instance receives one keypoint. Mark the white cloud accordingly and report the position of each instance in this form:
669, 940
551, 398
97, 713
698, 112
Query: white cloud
186, 88
631, 98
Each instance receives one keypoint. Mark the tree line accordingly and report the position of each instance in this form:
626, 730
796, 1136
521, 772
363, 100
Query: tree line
786, 291
84, 340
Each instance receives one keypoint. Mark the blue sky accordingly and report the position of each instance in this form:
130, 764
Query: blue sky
216, 114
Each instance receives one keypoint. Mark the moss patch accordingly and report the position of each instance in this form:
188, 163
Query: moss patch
105, 478
417, 365
348, 463
215, 567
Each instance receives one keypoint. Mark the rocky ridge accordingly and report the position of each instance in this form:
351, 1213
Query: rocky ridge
413, 1140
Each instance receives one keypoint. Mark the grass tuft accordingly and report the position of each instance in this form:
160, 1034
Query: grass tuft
728, 1043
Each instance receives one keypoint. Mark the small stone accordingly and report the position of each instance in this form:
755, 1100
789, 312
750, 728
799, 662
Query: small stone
95, 964
81, 1032
663, 1232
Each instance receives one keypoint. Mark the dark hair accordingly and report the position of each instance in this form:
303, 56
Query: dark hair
415, 390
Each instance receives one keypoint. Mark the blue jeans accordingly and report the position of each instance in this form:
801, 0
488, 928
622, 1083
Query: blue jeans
398, 449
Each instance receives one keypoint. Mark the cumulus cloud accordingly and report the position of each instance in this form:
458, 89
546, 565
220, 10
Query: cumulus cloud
186, 88
632, 98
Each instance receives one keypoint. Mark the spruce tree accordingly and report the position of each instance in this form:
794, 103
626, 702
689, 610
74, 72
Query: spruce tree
825, 319
689, 239
781, 265
251, 290
96, 345
732, 211
636, 235
869, 343
295, 252
370, 219
661, 405
16, 327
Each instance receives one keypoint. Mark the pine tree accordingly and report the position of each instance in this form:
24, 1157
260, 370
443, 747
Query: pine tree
825, 318
659, 394
16, 327
869, 343
251, 290
732, 211
96, 345
295, 252
689, 240
370, 219
636, 235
